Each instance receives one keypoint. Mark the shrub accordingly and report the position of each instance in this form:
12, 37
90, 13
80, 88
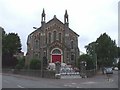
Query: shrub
35, 64
21, 64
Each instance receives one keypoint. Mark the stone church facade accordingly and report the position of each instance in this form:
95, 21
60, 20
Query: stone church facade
53, 40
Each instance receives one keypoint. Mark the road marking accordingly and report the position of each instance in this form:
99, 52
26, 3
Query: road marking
20, 86
88, 82
73, 83
78, 87
68, 85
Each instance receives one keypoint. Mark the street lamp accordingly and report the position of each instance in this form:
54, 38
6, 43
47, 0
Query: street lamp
42, 54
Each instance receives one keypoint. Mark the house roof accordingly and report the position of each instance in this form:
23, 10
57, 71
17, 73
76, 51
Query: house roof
55, 19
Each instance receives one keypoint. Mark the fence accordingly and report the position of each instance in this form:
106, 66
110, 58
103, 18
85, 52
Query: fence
45, 74
34, 73
90, 73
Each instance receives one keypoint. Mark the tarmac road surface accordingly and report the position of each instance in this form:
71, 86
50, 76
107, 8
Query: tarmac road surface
98, 81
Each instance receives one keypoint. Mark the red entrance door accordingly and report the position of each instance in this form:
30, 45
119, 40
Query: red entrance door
56, 58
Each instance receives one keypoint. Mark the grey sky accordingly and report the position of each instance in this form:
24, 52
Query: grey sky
88, 18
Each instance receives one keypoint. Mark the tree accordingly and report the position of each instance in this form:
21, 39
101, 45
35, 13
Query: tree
118, 52
90, 48
10, 46
104, 48
3, 40
35, 64
119, 65
88, 61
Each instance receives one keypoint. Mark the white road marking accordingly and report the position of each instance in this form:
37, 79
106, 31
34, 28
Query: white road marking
68, 85
73, 83
78, 87
88, 82
20, 86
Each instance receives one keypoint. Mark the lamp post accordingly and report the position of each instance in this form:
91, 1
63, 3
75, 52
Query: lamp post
42, 36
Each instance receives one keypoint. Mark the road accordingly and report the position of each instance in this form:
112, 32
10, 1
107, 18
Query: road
98, 81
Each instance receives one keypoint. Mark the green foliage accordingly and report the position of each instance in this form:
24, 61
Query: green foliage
3, 40
10, 45
90, 48
118, 52
88, 60
35, 64
104, 48
21, 63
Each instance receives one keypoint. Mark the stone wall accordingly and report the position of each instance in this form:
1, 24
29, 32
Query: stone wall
34, 73
90, 73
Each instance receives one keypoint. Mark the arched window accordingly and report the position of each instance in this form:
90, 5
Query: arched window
72, 44
60, 37
72, 57
36, 44
56, 51
54, 35
49, 38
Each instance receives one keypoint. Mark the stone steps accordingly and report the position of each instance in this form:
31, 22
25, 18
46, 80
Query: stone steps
70, 76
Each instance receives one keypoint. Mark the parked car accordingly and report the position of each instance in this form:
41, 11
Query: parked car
109, 70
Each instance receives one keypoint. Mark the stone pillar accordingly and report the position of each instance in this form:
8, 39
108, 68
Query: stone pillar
57, 70
83, 69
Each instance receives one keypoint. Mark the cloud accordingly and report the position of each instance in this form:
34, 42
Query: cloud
88, 18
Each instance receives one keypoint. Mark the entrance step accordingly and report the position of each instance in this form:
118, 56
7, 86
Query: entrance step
70, 76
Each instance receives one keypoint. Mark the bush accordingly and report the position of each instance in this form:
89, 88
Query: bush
35, 64
21, 64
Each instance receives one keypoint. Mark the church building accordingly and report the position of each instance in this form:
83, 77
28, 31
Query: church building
53, 40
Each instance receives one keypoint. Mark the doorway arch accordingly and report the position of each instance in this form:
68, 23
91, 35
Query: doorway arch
56, 55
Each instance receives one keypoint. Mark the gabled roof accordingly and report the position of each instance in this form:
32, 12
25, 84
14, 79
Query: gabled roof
54, 20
